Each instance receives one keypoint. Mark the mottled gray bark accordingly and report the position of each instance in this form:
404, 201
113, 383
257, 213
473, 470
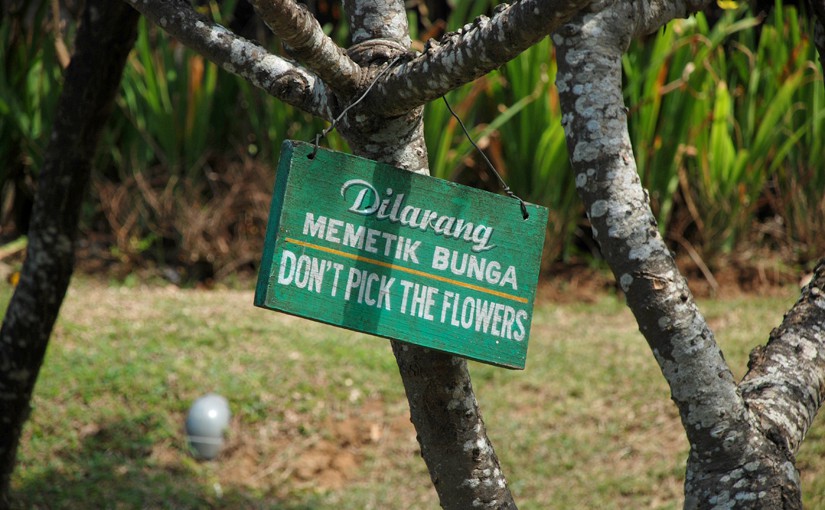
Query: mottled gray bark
106, 34
785, 384
278, 77
462, 463
473, 51
742, 449
379, 21
306, 41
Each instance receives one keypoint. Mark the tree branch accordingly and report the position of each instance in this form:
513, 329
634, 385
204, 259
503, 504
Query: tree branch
306, 41
269, 72
730, 456
589, 82
473, 51
651, 15
785, 385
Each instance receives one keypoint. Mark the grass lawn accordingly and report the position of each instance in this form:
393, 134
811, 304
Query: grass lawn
320, 420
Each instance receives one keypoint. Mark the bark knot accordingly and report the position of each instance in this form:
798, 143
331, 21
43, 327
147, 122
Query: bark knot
375, 52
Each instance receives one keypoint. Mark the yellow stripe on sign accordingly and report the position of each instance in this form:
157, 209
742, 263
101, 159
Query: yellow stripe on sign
416, 272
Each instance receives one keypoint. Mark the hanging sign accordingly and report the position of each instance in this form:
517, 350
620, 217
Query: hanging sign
373, 248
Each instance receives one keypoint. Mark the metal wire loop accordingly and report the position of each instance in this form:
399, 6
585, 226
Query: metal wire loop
504, 185
325, 132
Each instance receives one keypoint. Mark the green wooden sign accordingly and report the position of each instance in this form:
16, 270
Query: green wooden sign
369, 247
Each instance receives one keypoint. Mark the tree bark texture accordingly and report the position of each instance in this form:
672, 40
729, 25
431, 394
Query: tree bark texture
105, 37
460, 458
742, 438
278, 77
471, 52
302, 34
785, 384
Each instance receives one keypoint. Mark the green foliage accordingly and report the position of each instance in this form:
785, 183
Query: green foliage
726, 118
723, 114
534, 146
178, 110
30, 80
464, 11
524, 138
180, 128
168, 98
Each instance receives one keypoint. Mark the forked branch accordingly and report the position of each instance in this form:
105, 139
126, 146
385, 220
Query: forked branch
743, 437
308, 43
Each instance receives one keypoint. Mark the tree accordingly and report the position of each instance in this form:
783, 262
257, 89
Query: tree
105, 37
743, 436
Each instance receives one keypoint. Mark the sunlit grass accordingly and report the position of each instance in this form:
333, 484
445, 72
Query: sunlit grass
320, 418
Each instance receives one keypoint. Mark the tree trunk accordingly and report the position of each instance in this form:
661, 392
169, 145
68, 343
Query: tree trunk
463, 466
105, 37
739, 457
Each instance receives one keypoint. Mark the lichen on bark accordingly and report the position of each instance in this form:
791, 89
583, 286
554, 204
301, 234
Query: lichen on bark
741, 448
278, 77
307, 42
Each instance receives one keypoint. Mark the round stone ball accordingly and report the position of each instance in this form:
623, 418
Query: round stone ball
206, 424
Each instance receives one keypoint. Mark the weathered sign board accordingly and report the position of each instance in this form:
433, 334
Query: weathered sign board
369, 247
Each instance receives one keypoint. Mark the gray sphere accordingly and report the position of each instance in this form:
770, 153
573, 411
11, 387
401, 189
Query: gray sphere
206, 423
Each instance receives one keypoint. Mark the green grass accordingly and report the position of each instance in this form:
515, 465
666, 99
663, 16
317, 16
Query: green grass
320, 418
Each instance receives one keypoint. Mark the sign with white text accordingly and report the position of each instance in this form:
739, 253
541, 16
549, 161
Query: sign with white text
369, 247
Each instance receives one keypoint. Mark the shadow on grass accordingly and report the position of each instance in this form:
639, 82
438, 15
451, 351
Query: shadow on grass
116, 466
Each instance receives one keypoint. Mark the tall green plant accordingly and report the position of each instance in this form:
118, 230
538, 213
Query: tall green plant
30, 79
797, 186
181, 124
168, 97
717, 112
178, 108
534, 146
